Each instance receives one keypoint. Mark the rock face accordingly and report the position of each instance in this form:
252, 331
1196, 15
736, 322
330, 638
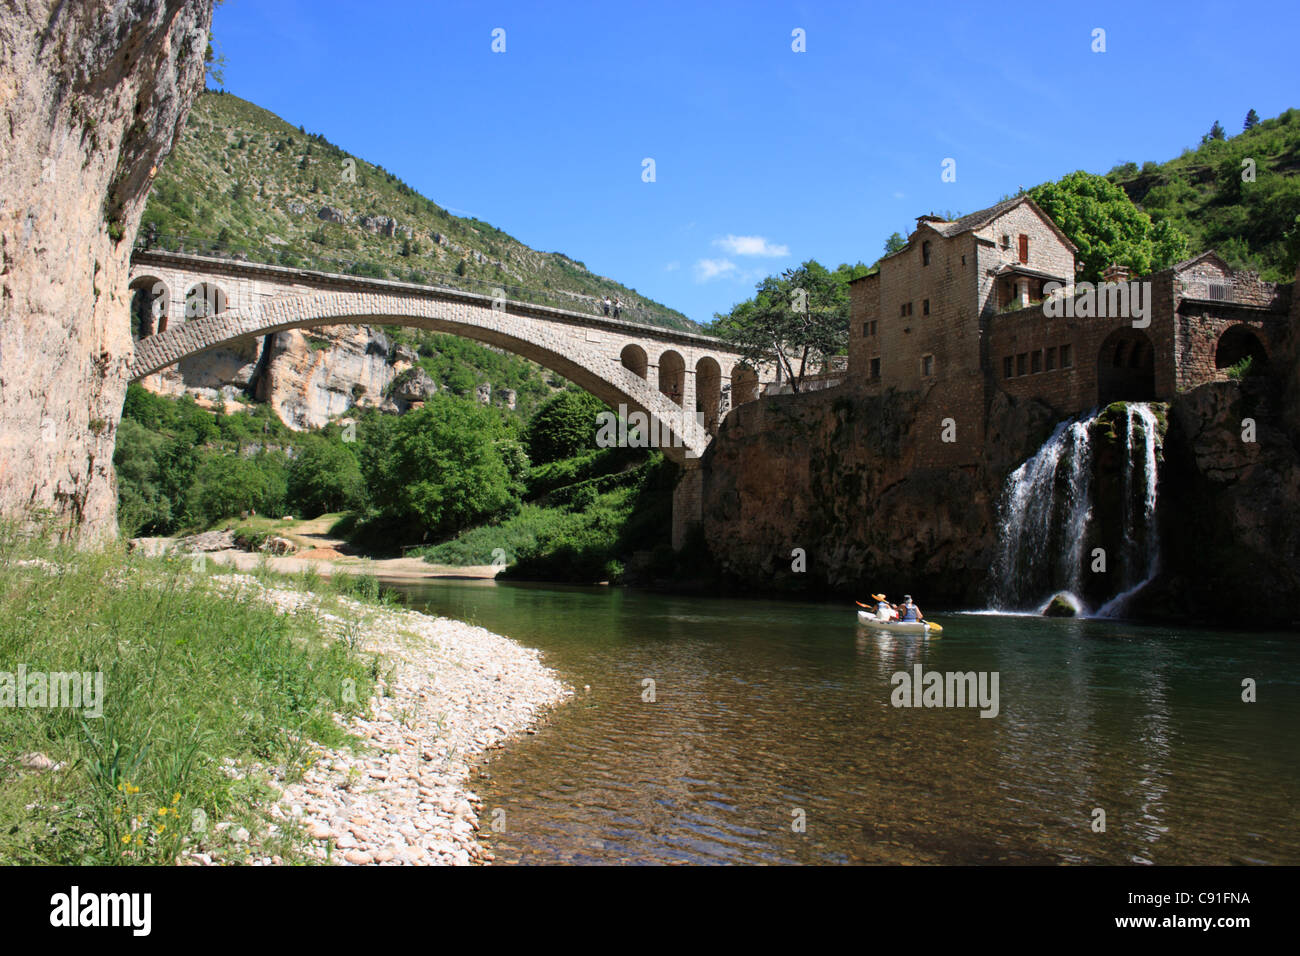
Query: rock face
1230, 508
94, 93
835, 474
311, 377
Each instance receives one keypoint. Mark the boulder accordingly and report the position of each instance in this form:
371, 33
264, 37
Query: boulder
415, 386
1060, 606
330, 214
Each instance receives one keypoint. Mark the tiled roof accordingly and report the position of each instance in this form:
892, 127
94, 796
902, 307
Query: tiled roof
976, 219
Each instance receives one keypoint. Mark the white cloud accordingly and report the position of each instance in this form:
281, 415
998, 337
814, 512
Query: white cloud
707, 269
672, 266
751, 246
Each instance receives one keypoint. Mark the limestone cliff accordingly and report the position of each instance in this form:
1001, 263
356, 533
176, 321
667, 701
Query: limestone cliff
836, 474
93, 95
312, 377
1230, 506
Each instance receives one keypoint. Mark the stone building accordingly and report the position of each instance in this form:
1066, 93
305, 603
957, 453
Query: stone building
988, 303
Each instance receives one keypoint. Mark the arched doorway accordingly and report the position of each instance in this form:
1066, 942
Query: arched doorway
634, 360
672, 375
744, 385
1126, 368
1240, 349
708, 391
149, 298
203, 300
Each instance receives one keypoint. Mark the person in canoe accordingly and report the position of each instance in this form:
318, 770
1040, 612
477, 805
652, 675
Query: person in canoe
909, 611
884, 610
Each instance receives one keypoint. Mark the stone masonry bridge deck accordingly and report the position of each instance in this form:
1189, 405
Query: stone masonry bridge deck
683, 382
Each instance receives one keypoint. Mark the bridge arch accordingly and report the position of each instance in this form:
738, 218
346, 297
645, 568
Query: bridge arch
708, 391
530, 331
204, 299
744, 384
150, 302
634, 359
672, 375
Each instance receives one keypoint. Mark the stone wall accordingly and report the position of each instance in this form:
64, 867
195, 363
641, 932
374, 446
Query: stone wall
94, 93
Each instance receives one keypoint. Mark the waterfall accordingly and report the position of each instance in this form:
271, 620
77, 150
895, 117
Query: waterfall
1047, 520
1141, 557
1041, 532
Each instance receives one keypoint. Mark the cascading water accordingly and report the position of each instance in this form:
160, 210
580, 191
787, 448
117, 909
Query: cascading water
1048, 522
1141, 555
1045, 510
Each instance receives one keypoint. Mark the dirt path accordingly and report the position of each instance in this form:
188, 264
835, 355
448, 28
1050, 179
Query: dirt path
322, 553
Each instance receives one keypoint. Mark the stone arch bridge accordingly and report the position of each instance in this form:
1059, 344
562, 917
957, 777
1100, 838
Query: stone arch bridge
683, 382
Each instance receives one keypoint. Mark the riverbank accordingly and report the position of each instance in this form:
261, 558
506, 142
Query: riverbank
243, 718
447, 693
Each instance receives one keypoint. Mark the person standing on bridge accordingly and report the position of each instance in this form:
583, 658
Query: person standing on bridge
605, 303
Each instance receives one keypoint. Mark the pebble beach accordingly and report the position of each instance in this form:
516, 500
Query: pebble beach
447, 693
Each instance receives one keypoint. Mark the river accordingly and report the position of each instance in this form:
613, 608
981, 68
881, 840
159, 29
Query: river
771, 737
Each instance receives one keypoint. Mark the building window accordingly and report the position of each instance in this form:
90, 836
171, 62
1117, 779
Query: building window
1022, 363
1006, 241
1007, 367
963, 260
1036, 361
925, 307
1024, 248
873, 326
875, 368
1067, 360
1050, 363
925, 253
866, 329
927, 366
902, 309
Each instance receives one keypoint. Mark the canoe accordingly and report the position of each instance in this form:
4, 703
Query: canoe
927, 628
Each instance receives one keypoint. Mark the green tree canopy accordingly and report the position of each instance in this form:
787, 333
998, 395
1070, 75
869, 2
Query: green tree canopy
325, 476
800, 318
563, 426
1107, 227
451, 463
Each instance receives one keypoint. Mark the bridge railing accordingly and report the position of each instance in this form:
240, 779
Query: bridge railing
318, 262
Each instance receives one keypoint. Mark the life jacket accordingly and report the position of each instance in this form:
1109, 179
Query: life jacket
909, 611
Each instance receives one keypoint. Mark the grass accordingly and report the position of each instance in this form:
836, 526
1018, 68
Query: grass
196, 682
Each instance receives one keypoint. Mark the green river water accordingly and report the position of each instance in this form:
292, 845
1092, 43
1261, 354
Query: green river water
768, 714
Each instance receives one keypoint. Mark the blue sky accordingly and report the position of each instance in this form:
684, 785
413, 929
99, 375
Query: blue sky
764, 157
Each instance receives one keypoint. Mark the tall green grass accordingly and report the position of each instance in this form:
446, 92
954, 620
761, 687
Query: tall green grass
194, 680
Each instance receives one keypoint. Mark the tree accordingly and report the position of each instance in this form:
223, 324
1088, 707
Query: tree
895, 243
1215, 134
800, 316
453, 463
1105, 225
1252, 120
563, 426
325, 476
